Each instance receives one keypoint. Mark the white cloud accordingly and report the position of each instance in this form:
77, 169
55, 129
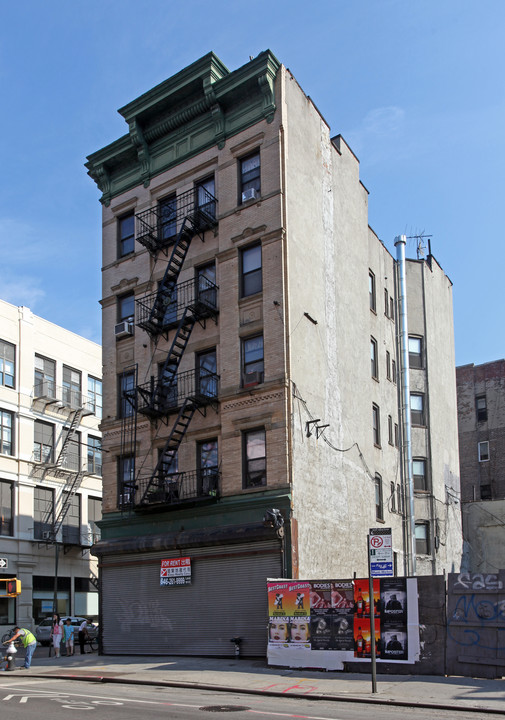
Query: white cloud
381, 132
22, 290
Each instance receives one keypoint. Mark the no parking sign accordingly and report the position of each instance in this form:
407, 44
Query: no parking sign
381, 552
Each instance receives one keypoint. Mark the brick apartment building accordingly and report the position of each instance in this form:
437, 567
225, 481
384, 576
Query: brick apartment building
251, 369
481, 422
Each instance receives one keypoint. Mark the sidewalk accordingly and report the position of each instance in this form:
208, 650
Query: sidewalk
253, 676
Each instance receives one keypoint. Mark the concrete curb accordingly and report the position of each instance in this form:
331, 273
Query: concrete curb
272, 693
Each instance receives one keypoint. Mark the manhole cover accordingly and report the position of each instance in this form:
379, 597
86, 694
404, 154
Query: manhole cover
225, 708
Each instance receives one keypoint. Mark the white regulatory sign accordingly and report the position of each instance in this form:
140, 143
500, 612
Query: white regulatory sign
381, 552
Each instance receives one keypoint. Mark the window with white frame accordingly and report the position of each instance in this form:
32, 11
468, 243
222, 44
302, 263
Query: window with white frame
7, 363
94, 455
6, 432
417, 414
419, 474
415, 352
422, 535
43, 441
95, 396
45, 377
483, 448
72, 387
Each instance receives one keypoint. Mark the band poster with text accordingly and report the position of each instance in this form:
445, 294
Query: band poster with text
335, 615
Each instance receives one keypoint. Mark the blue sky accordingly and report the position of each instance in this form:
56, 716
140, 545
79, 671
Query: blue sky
416, 89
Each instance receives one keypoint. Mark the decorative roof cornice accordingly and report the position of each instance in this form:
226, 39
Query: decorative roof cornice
188, 113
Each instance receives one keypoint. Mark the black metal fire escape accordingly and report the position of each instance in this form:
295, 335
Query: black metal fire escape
173, 308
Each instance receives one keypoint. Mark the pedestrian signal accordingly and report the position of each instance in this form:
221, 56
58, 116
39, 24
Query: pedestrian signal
10, 587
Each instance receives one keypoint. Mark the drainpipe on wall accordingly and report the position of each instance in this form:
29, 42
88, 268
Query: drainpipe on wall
400, 242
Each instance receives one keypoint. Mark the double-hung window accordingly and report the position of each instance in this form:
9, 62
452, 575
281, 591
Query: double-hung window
415, 352
250, 271
45, 377
379, 507
126, 479
483, 448
374, 359
481, 408
94, 515
71, 527
206, 289
376, 425
43, 513
72, 387
126, 388
6, 506
72, 453
206, 197
252, 360
206, 373
417, 415
371, 291
7, 363
95, 396
254, 458
250, 177
94, 455
422, 534
6, 432
126, 308
207, 464
126, 234
43, 442
168, 218
419, 473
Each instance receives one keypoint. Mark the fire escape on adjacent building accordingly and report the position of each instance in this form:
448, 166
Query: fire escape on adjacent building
68, 465
171, 313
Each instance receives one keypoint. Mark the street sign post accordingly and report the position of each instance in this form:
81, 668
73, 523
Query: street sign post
380, 550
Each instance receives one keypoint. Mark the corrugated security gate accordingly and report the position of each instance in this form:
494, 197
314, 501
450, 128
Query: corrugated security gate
227, 598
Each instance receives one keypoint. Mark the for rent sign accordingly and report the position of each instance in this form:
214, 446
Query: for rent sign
175, 571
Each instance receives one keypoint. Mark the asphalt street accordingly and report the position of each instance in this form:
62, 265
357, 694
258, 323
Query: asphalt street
26, 698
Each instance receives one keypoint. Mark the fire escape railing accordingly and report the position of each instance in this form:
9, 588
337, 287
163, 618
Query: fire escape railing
157, 228
177, 487
158, 398
174, 307
161, 311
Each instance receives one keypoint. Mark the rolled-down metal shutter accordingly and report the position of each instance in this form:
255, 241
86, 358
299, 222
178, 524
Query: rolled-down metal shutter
227, 598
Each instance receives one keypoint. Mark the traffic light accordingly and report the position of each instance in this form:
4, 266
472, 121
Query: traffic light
10, 587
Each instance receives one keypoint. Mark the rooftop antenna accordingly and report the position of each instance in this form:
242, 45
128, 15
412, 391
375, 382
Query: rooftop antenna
422, 241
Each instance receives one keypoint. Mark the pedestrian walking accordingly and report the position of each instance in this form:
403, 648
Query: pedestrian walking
68, 634
56, 634
28, 641
83, 635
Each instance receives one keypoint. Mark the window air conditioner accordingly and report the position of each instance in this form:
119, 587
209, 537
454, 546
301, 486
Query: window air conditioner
123, 329
253, 378
249, 194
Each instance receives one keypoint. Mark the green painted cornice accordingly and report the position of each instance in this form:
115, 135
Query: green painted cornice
197, 108
230, 510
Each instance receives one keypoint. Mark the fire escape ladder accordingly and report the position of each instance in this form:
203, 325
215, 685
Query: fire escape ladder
128, 404
71, 486
74, 424
169, 454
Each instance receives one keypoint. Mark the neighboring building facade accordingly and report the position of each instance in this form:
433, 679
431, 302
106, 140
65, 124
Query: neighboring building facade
481, 419
250, 354
50, 466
